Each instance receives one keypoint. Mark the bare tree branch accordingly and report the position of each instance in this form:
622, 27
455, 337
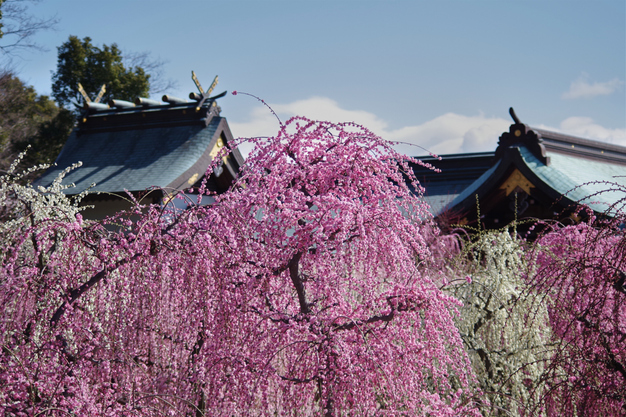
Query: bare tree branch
19, 27
158, 83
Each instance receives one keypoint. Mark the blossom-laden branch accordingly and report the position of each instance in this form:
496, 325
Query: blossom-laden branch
581, 269
503, 322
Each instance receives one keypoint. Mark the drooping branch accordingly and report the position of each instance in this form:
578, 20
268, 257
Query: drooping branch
397, 303
77, 292
33, 236
386, 318
294, 273
612, 363
620, 282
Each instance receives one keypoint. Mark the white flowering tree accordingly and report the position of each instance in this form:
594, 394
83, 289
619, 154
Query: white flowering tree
503, 323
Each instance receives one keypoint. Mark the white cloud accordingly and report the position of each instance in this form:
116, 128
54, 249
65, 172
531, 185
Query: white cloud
449, 133
445, 134
582, 88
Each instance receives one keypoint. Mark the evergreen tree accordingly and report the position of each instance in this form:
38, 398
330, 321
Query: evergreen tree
79, 61
27, 118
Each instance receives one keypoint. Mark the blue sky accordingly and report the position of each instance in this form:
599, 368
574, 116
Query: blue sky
439, 74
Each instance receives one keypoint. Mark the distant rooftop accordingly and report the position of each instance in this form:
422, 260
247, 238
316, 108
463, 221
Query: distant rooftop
558, 170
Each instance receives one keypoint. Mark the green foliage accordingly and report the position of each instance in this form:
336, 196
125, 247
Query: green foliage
27, 118
79, 61
30, 120
1, 1
51, 136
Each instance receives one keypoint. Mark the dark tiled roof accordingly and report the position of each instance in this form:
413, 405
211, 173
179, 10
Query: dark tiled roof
138, 148
458, 171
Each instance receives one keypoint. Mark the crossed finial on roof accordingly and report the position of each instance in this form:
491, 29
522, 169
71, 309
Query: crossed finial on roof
103, 90
204, 95
210, 90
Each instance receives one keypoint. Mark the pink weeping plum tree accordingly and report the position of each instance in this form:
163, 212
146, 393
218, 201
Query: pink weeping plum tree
301, 291
581, 275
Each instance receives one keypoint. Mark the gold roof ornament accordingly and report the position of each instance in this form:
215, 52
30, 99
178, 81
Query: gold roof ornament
83, 93
515, 180
204, 95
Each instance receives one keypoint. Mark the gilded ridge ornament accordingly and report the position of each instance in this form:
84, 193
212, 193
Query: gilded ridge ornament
515, 180
204, 95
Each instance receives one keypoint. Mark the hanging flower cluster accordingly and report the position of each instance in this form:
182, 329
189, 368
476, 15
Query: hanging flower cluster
581, 271
503, 322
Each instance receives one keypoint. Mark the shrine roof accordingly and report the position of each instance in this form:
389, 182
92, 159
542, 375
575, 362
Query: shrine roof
568, 179
135, 148
568, 169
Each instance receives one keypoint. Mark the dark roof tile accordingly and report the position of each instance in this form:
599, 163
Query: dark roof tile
137, 150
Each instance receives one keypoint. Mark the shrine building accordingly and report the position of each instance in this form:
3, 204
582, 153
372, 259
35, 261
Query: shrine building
148, 151
533, 174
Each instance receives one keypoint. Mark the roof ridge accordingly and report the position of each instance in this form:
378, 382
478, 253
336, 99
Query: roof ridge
576, 146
